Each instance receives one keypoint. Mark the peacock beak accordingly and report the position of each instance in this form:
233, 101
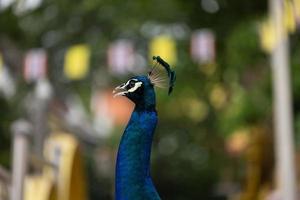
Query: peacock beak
120, 90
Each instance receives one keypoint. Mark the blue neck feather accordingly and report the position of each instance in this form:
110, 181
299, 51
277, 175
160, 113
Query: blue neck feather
133, 180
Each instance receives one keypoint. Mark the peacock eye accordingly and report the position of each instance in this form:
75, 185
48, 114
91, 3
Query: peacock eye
131, 84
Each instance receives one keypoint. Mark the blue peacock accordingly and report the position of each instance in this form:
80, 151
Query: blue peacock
133, 180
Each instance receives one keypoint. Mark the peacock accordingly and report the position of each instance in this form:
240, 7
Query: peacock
133, 180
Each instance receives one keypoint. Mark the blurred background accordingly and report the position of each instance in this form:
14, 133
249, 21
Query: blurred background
60, 60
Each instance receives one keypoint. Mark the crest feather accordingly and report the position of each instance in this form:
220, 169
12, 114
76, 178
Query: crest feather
162, 77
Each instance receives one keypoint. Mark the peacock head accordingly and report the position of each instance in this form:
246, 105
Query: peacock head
140, 89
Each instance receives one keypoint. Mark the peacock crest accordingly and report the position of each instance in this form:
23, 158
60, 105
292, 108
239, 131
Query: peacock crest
162, 77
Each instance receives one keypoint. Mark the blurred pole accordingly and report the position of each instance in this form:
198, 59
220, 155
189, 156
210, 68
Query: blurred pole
21, 130
39, 115
39, 127
283, 119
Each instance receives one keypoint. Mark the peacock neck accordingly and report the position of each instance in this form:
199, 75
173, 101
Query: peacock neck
133, 180
147, 102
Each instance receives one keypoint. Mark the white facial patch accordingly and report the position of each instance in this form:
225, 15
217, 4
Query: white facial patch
136, 86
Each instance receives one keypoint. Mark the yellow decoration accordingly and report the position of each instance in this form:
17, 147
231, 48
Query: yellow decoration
297, 8
39, 187
165, 47
77, 62
267, 36
63, 150
289, 17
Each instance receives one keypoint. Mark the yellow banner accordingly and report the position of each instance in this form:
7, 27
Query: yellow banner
267, 36
297, 8
289, 17
165, 47
76, 64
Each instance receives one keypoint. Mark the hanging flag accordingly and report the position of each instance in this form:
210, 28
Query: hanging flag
35, 65
203, 46
165, 47
76, 64
289, 17
120, 57
267, 36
